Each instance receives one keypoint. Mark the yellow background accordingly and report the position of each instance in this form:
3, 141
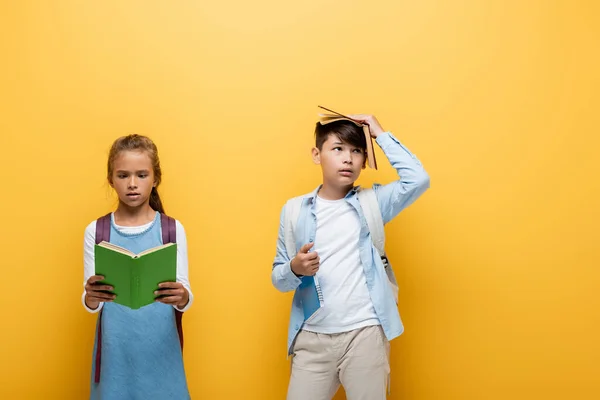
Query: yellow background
497, 261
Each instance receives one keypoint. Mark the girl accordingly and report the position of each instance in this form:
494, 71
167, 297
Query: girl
138, 350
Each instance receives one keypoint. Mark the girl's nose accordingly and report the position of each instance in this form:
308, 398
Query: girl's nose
132, 183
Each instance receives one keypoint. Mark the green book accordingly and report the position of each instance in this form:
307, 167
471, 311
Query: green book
135, 277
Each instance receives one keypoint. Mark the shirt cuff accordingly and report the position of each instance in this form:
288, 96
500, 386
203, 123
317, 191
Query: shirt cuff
91, 310
290, 276
189, 303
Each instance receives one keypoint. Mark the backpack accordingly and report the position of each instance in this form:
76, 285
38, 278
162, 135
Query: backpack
103, 234
370, 207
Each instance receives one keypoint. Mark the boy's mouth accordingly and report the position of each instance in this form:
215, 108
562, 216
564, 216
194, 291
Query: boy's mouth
346, 172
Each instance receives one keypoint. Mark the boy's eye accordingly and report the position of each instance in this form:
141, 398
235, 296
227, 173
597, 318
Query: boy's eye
357, 151
337, 148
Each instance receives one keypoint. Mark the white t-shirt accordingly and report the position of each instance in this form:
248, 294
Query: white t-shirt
182, 260
348, 305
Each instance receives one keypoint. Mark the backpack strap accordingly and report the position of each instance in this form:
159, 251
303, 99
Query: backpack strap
169, 235
102, 235
291, 213
372, 213
370, 206
103, 229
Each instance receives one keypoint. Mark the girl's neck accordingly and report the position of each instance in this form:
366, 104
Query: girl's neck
133, 216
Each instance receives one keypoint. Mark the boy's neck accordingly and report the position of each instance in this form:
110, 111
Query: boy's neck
133, 216
329, 192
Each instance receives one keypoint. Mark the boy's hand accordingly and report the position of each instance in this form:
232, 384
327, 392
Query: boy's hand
173, 293
96, 292
374, 126
305, 263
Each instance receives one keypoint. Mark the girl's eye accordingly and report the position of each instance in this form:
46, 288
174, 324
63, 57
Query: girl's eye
122, 176
143, 175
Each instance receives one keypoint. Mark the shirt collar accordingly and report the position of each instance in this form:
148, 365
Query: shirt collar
313, 195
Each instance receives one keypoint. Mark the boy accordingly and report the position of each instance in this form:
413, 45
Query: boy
347, 342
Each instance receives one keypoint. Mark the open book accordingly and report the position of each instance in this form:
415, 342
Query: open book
135, 277
335, 116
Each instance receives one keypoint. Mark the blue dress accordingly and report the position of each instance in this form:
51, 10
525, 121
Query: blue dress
141, 353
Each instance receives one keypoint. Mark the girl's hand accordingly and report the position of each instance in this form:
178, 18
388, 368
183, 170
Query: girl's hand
96, 292
172, 293
374, 126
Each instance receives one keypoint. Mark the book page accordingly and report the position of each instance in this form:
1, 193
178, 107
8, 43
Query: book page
157, 248
116, 248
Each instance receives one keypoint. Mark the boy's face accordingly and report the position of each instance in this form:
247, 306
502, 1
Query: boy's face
133, 177
341, 162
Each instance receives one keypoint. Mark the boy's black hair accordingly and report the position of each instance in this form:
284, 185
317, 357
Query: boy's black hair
346, 131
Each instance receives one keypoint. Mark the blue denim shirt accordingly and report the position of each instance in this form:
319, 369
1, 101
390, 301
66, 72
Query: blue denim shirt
392, 198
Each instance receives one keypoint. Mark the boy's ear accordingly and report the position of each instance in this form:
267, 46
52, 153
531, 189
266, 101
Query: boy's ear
316, 156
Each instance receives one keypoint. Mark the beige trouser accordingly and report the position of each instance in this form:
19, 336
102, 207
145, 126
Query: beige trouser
358, 359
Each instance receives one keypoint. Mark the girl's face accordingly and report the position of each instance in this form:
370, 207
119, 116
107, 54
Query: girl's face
133, 178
